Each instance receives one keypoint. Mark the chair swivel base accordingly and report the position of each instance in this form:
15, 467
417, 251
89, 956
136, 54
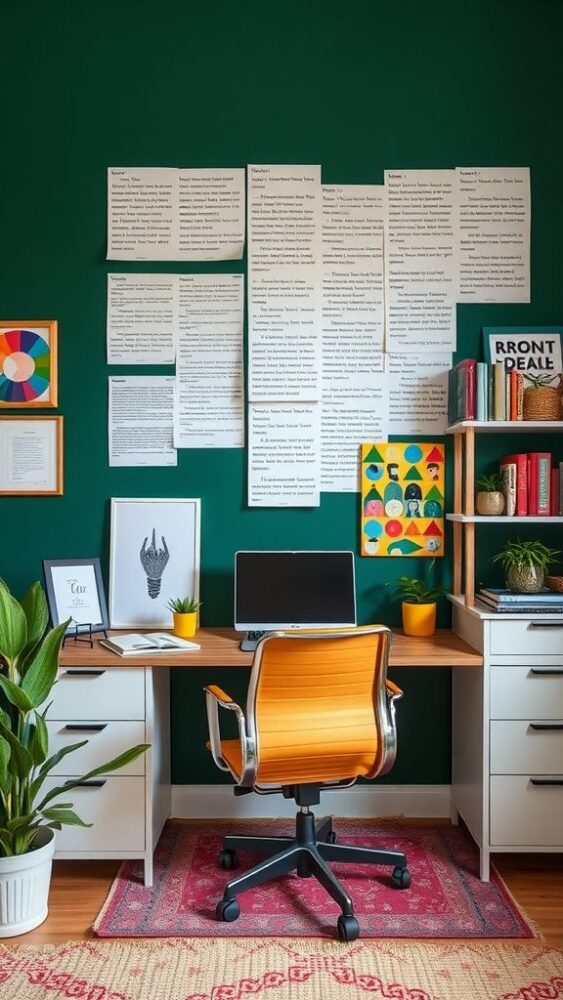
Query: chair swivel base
307, 854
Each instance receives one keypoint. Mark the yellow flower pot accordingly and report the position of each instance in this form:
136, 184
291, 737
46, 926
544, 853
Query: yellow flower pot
185, 625
419, 619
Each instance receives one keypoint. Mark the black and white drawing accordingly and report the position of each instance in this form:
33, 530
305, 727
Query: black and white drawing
154, 556
153, 561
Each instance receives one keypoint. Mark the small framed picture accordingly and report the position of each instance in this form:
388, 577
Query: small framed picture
75, 590
31, 456
28, 363
154, 557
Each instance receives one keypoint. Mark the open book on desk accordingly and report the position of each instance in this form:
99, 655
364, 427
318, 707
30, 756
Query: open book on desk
150, 642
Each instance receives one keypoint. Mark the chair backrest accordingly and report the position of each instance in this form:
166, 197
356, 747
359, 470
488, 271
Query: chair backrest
317, 706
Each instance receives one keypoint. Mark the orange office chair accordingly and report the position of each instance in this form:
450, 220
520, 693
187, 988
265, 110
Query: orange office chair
320, 713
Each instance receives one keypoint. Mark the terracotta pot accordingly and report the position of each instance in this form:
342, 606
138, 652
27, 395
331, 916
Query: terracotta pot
418, 619
489, 502
526, 580
543, 403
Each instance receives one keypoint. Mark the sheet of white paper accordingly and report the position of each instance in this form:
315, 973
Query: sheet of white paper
494, 234
284, 282
28, 455
140, 420
421, 261
283, 454
209, 395
160, 213
345, 423
418, 392
353, 314
141, 318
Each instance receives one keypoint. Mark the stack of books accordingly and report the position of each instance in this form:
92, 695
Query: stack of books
507, 602
532, 484
481, 391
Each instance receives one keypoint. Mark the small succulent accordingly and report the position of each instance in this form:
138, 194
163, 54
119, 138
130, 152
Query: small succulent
184, 605
491, 483
416, 591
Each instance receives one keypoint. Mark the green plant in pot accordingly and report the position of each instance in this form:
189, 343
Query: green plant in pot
418, 606
489, 499
542, 400
525, 564
184, 611
30, 805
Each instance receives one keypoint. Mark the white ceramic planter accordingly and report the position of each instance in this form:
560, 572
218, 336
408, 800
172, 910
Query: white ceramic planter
24, 886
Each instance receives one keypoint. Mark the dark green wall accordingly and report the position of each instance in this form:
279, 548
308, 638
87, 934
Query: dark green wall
355, 85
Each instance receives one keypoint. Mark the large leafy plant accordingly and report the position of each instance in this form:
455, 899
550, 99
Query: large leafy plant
520, 555
29, 658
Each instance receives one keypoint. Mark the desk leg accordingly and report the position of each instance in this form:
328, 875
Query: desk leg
485, 865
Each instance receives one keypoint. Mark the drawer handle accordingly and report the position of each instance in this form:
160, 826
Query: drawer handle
90, 784
84, 673
548, 726
546, 781
91, 727
545, 625
547, 671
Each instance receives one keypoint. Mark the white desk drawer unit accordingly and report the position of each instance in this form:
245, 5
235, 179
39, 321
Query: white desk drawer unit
507, 769
113, 708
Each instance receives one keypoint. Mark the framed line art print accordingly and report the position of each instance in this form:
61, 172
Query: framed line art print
154, 557
28, 363
75, 590
31, 456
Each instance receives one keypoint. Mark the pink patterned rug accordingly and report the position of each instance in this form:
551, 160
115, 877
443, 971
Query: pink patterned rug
446, 898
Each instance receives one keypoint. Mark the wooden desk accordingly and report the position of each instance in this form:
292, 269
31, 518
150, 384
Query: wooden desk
220, 648
122, 700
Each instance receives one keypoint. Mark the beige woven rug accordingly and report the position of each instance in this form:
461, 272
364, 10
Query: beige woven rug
281, 969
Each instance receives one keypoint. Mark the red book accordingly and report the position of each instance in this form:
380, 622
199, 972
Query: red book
539, 482
521, 463
513, 395
554, 508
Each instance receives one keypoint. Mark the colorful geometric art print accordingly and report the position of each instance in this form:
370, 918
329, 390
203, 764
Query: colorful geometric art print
27, 359
402, 499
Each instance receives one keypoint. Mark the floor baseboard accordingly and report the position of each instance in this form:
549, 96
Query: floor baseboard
360, 802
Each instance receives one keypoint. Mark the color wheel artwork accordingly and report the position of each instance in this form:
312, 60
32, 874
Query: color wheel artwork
402, 499
25, 367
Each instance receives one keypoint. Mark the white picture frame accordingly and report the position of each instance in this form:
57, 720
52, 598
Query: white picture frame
154, 557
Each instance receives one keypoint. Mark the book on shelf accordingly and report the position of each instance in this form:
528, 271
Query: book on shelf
539, 483
515, 469
508, 477
555, 497
500, 412
462, 391
136, 644
501, 595
561, 488
482, 408
519, 609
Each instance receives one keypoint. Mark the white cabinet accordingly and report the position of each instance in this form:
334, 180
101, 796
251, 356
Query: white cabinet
113, 708
507, 761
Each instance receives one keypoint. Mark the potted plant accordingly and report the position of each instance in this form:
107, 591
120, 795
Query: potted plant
418, 606
489, 499
29, 815
184, 611
542, 401
525, 564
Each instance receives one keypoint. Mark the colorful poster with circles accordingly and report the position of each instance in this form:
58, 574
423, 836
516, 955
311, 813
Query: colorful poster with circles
403, 489
28, 364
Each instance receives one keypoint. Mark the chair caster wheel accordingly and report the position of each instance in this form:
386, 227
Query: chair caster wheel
347, 929
401, 878
331, 837
227, 909
228, 859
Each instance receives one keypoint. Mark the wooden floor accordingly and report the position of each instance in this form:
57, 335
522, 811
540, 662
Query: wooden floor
80, 887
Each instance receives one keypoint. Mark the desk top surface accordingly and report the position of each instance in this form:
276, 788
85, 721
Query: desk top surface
220, 648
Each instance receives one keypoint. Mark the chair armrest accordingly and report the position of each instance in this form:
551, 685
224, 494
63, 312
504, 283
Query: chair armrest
393, 691
216, 698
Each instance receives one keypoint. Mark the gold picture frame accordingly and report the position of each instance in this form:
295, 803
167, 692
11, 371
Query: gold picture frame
37, 440
28, 364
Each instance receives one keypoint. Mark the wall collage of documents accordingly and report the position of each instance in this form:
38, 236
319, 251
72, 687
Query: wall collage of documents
352, 293
353, 89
